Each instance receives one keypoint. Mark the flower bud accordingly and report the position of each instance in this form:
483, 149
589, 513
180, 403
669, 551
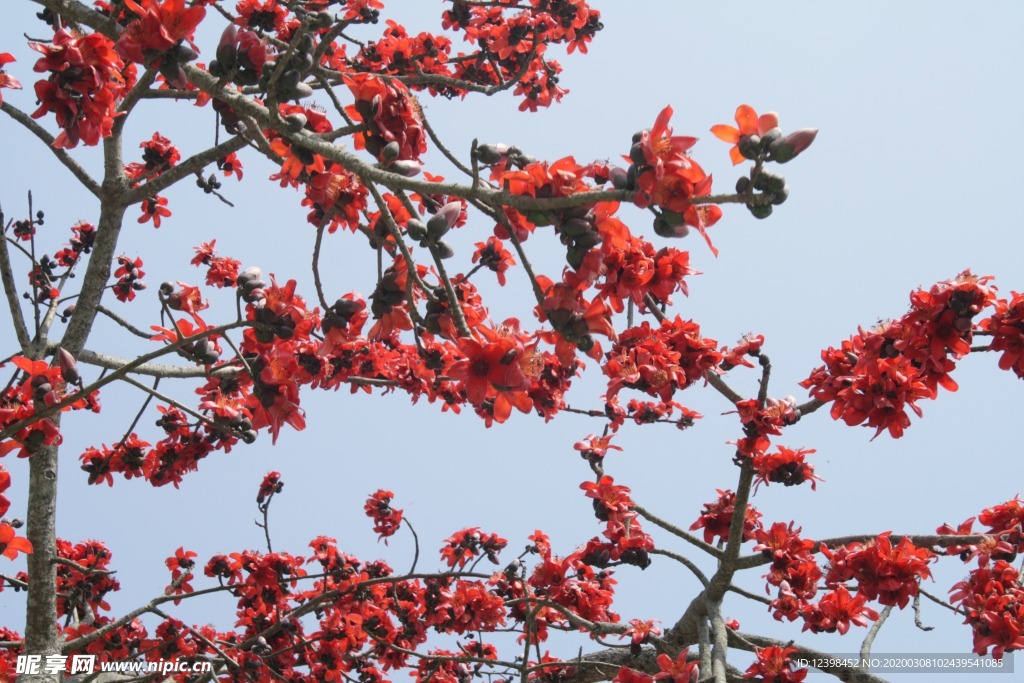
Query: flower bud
301, 92
251, 273
416, 230
305, 43
444, 250
389, 152
780, 196
68, 366
789, 147
296, 121
750, 146
183, 53
666, 228
406, 167
491, 153
227, 51
574, 227
442, 221
618, 176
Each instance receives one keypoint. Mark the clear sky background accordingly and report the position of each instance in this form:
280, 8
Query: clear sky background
914, 177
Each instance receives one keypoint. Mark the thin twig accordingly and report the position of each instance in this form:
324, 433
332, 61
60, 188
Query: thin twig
869, 639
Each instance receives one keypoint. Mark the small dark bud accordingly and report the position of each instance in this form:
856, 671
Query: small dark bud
296, 121
636, 155
416, 229
406, 167
301, 92
780, 196
769, 138
444, 250
305, 43
389, 152
492, 153
619, 178
750, 146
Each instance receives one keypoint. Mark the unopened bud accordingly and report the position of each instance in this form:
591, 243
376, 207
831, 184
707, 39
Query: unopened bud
389, 152
789, 147
442, 221
406, 167
491, 153
619, 178
68, 366
416, 229
296, 121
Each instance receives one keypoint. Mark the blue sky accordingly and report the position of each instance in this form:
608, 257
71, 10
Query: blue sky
913, 178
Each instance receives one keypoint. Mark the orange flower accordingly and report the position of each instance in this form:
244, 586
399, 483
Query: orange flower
749, 124
10, 544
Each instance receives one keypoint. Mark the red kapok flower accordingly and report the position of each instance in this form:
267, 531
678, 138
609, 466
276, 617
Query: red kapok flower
749, 123
775, 665
11, 544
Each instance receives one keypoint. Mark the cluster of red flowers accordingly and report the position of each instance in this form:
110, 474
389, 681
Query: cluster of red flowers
875, 376
787, 467
682, 669
469, 544
87, 80
158, 155
887, 572
270, 485
760, 422
578, 582
361, 607
129, 277
1006, 326
10, 543
83, 237
221, 271
386, 519
883, 572
716, 518
513, 47
660, 361
82, 587
390, 116
992, 599
668, 178
41, 386
614, 506
793, 569
775, 665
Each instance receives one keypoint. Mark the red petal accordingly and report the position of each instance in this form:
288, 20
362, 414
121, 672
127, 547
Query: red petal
746, 118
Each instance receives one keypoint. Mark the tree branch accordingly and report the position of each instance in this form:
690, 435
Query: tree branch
62, 156
190, 166
11, 291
